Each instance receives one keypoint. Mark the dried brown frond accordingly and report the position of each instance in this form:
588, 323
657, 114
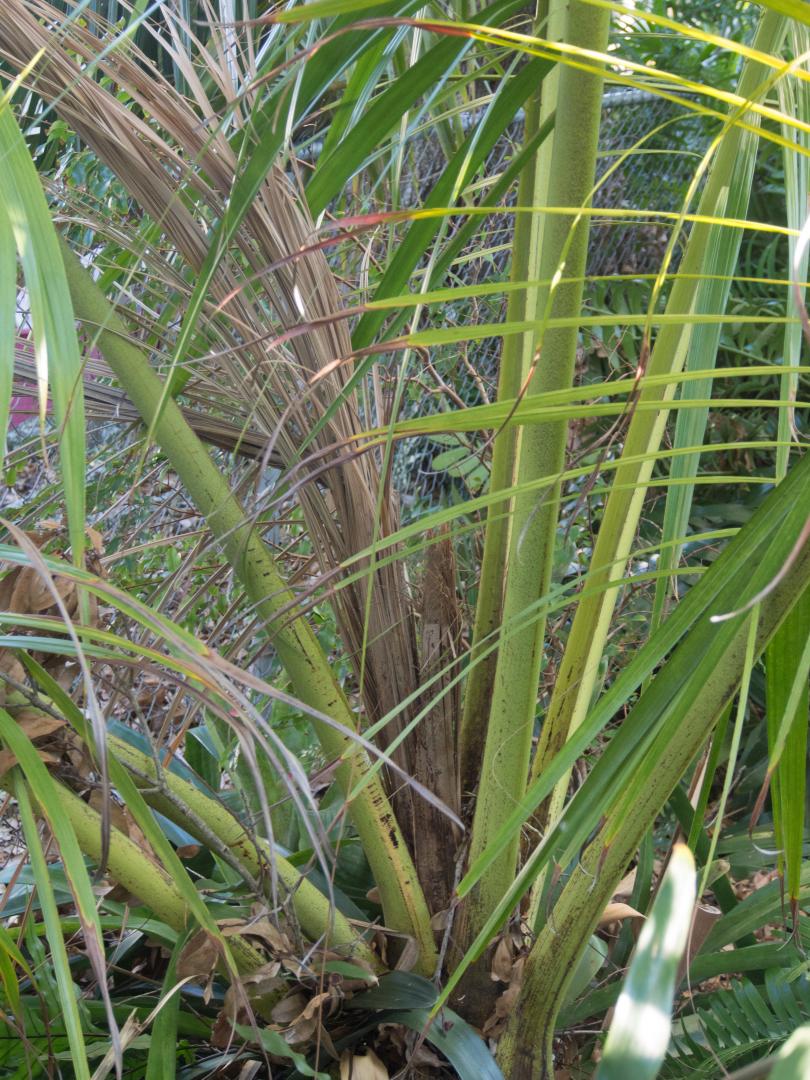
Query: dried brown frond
175, 159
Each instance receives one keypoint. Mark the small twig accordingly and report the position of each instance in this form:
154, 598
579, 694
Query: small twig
451, 915
201, 830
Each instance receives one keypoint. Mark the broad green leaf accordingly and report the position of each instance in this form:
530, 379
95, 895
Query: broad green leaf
8, 293
793, 9
275, 1043
793, 1059
322, 9
360, 87
50, 914
409, 998
589, 966
690, 425
161, 1062
450, 1035
640, 1031
425, 77
396, 990
788, 701
765, 905
349, 971
751, 560
59, 364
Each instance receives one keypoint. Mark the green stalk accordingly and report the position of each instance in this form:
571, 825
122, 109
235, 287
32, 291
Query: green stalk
129, 866
515, 362
294, 640
789, 780
783, 666
541, 453
576, 678
794, 100
525, 1050
318, 918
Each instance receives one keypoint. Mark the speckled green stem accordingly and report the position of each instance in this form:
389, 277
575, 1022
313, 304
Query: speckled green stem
298, 649
318, 919
541, 453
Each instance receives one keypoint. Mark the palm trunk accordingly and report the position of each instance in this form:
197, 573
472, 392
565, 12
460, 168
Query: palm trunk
131, 867
514, 368
435, 755
577, 674
293, 638
541, 453
525, 1051
199, 814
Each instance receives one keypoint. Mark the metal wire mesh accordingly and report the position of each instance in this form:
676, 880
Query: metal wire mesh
652, 175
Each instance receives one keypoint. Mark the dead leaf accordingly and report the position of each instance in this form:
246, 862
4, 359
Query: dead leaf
8, 760
263, 929
300, 1032
222, 1033
11, 666
315, 1004
504, 1007
625, 886
199, 957
6, 589
703, 919
362, 1067
425, 1057
409, 955
25, 591
96, 539
261, 990
37, 724
32, 594
44, 531
618, 913
288, 1010
440, 921
501, 970
118, 815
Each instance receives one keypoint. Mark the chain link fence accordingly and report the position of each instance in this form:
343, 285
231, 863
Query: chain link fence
637, 168
649, 150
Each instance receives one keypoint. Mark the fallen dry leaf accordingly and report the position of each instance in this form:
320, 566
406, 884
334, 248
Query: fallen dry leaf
11, 666
199, 957
315, 1004
95, 538
625, 886
703, 919
362, 1066
504, 1007
188, 851
37, 724
618, 913
288, 1010
501, 970
300, 1032
8, 760
24, 591
409, 955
